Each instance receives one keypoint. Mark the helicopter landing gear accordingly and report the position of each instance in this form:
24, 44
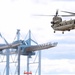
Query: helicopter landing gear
54, 31
63, 32
69, 30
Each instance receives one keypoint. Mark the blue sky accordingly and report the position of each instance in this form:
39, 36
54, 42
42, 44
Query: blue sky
17, 14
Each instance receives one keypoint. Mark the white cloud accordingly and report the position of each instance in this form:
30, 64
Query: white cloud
61, 66
18, 14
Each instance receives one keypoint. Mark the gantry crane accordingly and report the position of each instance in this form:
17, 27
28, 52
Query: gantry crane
24, 47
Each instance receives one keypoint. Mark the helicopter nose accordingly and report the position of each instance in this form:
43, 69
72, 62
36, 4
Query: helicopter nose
52, 22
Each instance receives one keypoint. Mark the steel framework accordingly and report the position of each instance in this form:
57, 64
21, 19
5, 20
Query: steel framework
23, 47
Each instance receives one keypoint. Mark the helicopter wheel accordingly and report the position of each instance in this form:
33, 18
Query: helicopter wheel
54, 31
69, 30
63, 32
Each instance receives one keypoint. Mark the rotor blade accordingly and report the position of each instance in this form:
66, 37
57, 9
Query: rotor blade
66, 15
43, 15
68, 12
54, 15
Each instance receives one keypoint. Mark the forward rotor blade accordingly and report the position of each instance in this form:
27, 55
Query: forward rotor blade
68, 12
43, 15
54, 15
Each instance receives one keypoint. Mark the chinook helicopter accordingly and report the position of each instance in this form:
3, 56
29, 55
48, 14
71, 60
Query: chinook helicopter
59, 25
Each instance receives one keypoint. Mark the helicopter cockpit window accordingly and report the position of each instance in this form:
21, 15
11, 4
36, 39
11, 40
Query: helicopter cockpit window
57, 19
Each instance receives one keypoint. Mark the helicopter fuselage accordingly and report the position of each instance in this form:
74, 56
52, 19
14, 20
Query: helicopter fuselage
64, 25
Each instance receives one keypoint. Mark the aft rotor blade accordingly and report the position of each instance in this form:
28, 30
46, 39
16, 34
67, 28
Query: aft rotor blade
66, 15
68, 12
